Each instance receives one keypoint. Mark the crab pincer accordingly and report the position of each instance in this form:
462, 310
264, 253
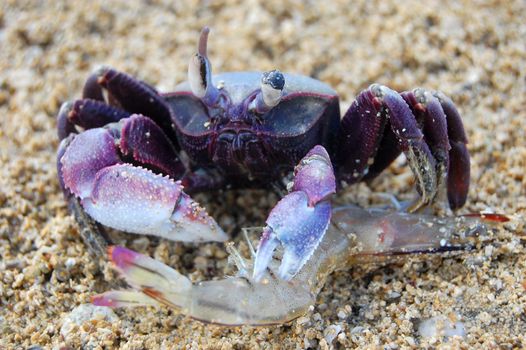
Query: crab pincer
128, 197
299, 220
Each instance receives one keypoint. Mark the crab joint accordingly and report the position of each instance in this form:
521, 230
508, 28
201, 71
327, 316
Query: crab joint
200, 73
272, 84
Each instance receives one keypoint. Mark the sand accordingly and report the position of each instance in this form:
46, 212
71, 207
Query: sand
475, 52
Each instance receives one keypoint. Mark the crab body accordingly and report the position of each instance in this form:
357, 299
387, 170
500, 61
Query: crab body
142, 151
250, 149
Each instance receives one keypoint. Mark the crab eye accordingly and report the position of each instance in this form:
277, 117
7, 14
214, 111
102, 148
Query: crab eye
272, 84
200, 73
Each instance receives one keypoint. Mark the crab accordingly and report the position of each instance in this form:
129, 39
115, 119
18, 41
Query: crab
130, 157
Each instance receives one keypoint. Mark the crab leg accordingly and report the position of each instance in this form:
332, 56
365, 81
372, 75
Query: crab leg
459, 164
358, 139
123, 91
388, 150
429, 114
131, 198
445, 135
110, 96
381, 123
427, 109
87, 114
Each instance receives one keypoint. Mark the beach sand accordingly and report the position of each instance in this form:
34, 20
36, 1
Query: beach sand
475, 52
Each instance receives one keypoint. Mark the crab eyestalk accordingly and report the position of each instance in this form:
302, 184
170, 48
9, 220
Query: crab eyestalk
200, 73
272, 84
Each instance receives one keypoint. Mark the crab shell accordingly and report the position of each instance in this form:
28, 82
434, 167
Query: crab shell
242, 144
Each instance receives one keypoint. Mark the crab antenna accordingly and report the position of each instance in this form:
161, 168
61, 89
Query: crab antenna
272, 84
200, 73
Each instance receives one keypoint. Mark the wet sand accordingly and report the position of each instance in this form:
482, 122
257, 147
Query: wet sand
474, 52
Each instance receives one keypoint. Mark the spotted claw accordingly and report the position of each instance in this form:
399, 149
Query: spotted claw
127, 197
299, 220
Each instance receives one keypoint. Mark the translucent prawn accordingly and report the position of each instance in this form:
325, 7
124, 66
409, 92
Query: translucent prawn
355, 236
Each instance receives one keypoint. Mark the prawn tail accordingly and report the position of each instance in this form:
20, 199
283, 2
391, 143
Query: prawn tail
153, 282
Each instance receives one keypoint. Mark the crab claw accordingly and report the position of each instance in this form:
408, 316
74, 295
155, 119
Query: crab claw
128, 197
136, 200
301, 218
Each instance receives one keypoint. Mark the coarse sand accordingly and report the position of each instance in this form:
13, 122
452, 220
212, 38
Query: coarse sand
474, 51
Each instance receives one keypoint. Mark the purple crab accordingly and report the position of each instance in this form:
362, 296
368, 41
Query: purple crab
130, 156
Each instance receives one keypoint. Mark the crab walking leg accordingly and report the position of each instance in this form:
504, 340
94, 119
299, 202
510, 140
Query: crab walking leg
123, 91
445, 135
412, 143
127, 197
87, 114
362, 133
64, 125
355, 236
459, 163
387, 152
300, 219
429, 114
360, 136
